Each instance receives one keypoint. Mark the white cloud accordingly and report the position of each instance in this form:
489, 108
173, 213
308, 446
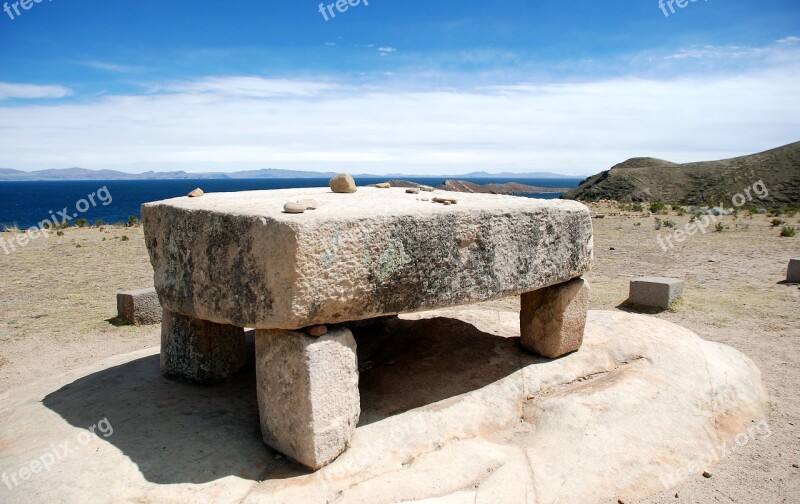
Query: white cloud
248, 87
386, 50
240, 122
110, 67
32, 91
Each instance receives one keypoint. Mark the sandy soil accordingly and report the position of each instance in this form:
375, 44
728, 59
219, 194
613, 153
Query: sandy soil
57, 305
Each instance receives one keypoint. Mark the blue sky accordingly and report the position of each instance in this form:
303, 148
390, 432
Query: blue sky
408, 86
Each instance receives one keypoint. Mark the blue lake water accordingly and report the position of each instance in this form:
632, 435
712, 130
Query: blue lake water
27, 203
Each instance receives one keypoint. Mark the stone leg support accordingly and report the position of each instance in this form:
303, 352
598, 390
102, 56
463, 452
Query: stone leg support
552, 319
308, 396
200, 351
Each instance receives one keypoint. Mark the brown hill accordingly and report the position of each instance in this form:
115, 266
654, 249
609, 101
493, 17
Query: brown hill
701, 183
502, 188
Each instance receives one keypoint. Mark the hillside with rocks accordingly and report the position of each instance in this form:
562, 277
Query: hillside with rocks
699, 183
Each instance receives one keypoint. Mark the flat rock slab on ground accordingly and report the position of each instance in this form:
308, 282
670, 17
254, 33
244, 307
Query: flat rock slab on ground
238, 258
453, 410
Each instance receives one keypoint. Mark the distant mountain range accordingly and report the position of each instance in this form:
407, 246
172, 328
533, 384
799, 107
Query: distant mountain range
701, 183
7, 174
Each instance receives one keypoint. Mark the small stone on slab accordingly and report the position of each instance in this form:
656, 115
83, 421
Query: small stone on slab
294, 208
413, 190
383, 185
196, 193
446, 201
343, 183
655, 292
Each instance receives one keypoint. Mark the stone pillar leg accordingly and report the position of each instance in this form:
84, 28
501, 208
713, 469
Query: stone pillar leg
308, 396
552, 320
200, 351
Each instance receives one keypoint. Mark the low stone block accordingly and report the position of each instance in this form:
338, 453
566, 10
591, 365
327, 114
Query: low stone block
655, 291
139, 307
201, 351
553, 319
308, 395
793, 273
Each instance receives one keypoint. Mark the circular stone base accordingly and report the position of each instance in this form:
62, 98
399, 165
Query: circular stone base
453, 410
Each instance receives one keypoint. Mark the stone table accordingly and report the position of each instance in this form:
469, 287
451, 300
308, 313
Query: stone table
227, 261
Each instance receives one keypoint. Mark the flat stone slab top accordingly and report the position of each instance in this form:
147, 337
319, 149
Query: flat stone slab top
238, 258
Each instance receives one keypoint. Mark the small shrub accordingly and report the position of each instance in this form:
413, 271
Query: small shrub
637, 207
680, 210
132, 221
657, 207
670, 224
124, 238
81, 223
658, 224
99, 223
719, 228
637, 224
59, 233
777, 222
787, 231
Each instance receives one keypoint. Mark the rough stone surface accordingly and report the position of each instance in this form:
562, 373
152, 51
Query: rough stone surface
200, 351
343, 183
238, 259
655, 291
139, 307
793, 272
307, 393
455, 412
552, 320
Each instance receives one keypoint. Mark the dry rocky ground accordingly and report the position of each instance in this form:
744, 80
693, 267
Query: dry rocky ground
57, 305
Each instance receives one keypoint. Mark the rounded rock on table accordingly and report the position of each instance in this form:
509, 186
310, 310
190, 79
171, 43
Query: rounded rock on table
294, 208
343, 183
413, 190
196, 193
384, 185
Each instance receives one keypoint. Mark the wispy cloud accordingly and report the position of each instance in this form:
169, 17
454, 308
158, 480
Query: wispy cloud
110, 67
32, 91
386, 50
249, 87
